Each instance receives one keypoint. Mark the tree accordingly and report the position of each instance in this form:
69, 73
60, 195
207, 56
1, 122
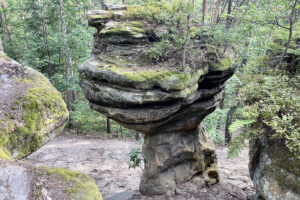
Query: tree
67, 54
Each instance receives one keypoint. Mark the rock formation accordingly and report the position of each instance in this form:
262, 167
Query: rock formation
21, 181
32, 111
274, 168
165, 102
275, 171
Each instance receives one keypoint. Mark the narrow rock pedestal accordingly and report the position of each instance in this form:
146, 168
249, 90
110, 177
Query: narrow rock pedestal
171, 158
166, 103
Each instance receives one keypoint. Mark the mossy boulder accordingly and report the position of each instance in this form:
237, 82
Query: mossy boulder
32, 111
23, 181
275, 170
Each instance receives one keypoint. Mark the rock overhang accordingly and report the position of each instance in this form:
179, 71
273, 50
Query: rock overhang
124, 85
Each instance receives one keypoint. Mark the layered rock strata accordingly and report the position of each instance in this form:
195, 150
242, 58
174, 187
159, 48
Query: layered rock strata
166, 103
32, 111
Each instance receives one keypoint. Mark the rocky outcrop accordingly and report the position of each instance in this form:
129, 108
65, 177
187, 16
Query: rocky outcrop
20, 181
275, 171
165, 102
32, 111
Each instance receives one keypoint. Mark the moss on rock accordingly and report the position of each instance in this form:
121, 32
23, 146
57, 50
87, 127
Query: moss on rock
42, 111
80, 185
162, 77
134, 29
224, 64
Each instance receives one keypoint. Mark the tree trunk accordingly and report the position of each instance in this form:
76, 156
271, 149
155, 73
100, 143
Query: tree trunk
108, 127
137, 136
291, 21
228, 123
204, 10
187, 37
5, 24
24, 25
45, 34
1, 47
67, 54
228, 19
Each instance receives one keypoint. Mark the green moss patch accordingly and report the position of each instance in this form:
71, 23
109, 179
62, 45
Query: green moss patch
80, 185
41, 106
223, 65
164, 78
5, 155
133, 29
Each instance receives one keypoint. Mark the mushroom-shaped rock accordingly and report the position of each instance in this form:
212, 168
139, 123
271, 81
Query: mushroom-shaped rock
32, 111
166, 102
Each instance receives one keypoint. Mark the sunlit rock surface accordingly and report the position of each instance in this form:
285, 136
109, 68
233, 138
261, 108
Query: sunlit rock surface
165, 102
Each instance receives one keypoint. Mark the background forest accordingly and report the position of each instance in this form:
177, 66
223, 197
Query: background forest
53, 37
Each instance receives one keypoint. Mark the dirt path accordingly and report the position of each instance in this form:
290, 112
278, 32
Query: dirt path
105, 160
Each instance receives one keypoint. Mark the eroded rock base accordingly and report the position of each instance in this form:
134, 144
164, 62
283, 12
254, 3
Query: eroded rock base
172, 158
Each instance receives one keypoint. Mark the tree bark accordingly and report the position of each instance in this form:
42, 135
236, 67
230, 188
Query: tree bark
291, 21
45, 34
204, 10
1, 47
5, 24
228, 19
108, 126
228, 123
67, 53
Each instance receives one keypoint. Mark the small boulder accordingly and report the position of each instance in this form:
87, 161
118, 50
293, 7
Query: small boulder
275, 171
21, 181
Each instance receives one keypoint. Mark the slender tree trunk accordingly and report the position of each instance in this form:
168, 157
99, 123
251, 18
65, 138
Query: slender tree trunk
228, 19
137, 135
228, 123
204, 10
5, 24
187, 37
23, 24
67, 53
45, 34
1, 47
291, 21
108, 126
2, 27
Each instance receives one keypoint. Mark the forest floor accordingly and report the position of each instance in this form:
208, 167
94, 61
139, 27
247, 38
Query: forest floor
105, 160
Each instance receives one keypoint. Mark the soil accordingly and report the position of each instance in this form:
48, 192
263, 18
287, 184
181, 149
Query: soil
105, 160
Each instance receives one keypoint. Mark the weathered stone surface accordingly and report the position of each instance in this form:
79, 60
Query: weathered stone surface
14, 181
179, 156
32, 111
20, 181
165, 102
275, 171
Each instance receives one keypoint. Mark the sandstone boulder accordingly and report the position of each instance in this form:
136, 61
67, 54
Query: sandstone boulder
166, 102
32, 111
275, 171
